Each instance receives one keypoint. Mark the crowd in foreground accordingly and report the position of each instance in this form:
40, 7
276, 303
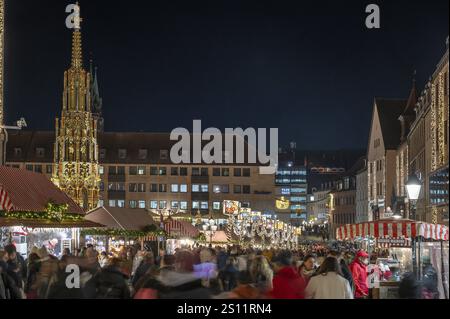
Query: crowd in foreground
314, 272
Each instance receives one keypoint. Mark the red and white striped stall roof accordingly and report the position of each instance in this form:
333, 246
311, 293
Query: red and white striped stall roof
393, 229
179, 228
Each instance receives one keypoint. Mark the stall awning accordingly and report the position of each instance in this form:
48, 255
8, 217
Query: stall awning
219, 236
27, 191
393, 229
120, 218
179, 228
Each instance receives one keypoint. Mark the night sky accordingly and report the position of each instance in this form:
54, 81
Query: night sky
310, 68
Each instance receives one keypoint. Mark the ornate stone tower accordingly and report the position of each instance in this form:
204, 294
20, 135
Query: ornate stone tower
76, 150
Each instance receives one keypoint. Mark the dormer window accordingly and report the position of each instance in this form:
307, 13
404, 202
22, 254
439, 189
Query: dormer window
40, 152
17, 151
143, 153
122, 153
163, 154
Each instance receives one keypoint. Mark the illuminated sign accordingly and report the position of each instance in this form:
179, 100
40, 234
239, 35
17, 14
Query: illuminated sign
282, 203
231, 207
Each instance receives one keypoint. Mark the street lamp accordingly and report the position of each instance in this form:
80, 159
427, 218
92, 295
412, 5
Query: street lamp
210, 228
413, 187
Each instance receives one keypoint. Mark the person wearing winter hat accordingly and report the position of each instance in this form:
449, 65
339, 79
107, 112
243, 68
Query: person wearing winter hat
358, 267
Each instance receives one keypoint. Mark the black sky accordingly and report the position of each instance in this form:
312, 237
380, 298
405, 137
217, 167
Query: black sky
310, 68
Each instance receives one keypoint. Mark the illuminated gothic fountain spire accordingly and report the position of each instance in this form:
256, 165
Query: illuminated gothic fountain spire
76, 150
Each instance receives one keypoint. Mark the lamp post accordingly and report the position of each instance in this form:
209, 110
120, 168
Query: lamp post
413, 187
210, 228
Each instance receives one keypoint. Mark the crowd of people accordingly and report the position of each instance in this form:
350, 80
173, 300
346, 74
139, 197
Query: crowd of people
315, 271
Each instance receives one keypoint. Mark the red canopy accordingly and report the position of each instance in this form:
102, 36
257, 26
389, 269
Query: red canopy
23, 190
179, 228
394, 229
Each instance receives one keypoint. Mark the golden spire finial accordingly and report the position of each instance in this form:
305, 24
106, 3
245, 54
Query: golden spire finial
77, 54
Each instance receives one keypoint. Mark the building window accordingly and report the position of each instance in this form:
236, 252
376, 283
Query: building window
237, 172
203, 205
162, 204
132, 187
17, 151
142, 153
153, 170
40, 152
101, 202
195, 171
204, 171
153, 204
216, 205
216, 171
38, 168
174, 171
141, 170
153, 188
245, 204
195, 188
120, 170
174, 188
162, 188
133, 203
204, 188
163, 154
225, 188
216, 189
102, 153
141, 204
120, 186
49, 169
132, 170
101, 170
183, 188
195, 205
174, 204
122, 153
141, 187
112, 203
183, 205
246, 172
121, 203
246, 189
102, 186
111, 186
183, 171
162, 171
225, 172
112, 170
237, 189
29, 167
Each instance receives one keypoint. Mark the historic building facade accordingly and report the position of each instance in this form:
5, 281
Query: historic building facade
384, 139
362, 203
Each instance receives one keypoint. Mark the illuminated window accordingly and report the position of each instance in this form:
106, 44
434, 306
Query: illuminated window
141, 204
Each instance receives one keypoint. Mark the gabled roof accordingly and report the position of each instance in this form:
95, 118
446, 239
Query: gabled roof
389, 111
29, 191
120, 218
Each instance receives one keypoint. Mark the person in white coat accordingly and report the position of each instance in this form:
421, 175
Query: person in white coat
328, 282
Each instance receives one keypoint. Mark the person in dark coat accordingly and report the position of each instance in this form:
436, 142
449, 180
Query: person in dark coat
108, 283
147, 265
59, 289
8, 287
409, 287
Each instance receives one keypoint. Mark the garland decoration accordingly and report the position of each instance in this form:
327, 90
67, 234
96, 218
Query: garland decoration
150, 230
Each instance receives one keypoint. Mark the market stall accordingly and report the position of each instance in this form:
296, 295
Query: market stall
403, 246
34, 212
123, 227
179, 234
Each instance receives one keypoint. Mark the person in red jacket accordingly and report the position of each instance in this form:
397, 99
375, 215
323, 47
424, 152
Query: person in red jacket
358, 267
287, 283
